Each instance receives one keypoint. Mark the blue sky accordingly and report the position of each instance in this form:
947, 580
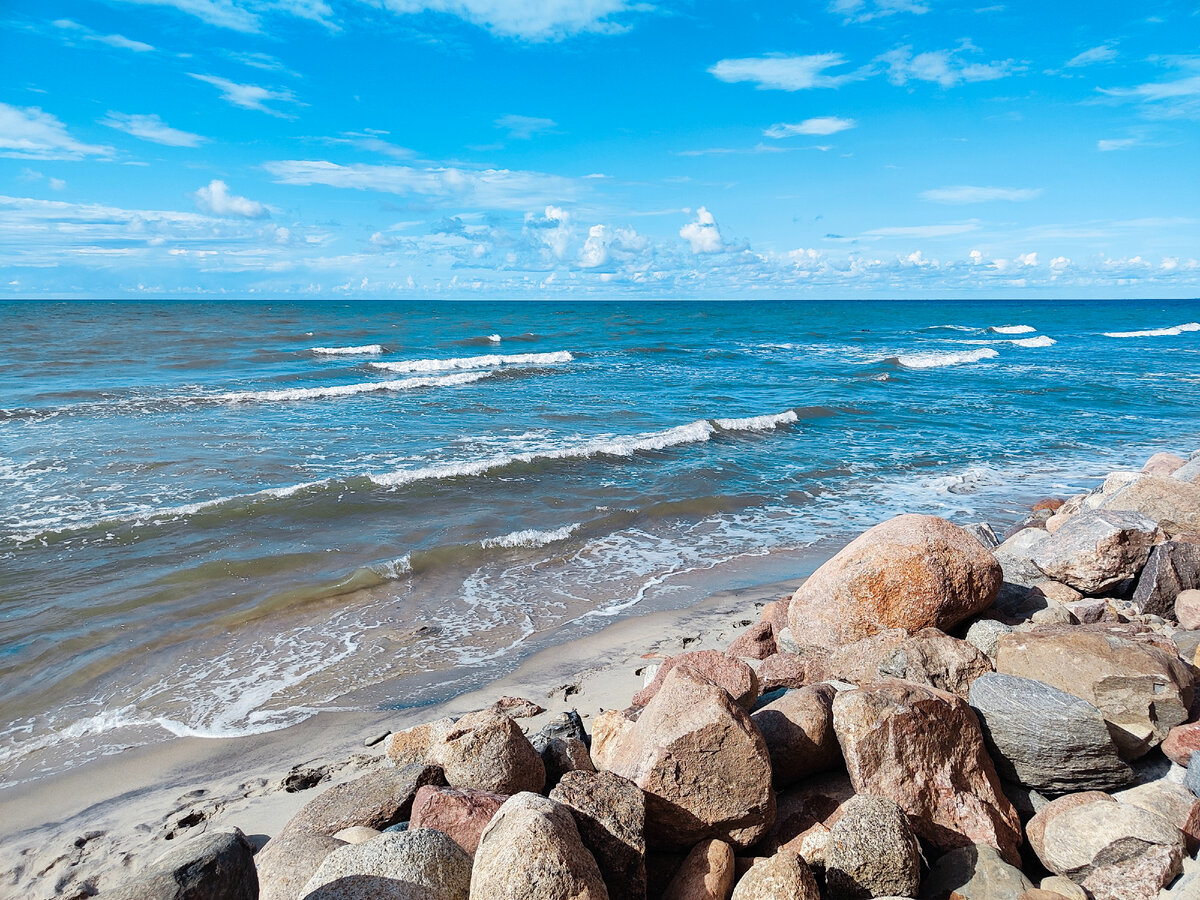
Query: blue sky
606, 148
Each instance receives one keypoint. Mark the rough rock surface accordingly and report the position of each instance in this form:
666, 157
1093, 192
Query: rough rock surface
288, 861
1163, 464
911, 572
974, 873
798, 730
1171, 502
214, 866
756, 642
928, 657
1015, 556
408, 747
790, 670
1141, 690
1181, 742
706, 874
461, 814
700, 759
376, 800
806, 809
1172, 567
784, 876
872, 852
487, 751
924, 749
984, 636
531, 850
1044, 738
418, 864
610, 812
1097, 550
721, 669
1187, 609
1173, 802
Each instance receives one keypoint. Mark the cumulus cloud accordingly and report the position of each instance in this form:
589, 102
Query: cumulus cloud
703, 234
522, 128
966, 193
248, 96
216, 199
151, 128
532, 20
944, 67
786, 73
818, 125
1103, 53
553, 229
26, 132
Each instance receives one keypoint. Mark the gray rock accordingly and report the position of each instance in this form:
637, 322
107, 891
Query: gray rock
1190, 470
984, 635
610, 812
1098, 550
1016, 603
1044, 738
1173, 503
787, 643
419, 864
287, 862
1172, 567
1015, 556
983, 533
1192, 780
872, 851
564, 725
376, 800
213, 866
974, 873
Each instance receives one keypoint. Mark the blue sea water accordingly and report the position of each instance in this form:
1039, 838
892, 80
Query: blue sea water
220, 518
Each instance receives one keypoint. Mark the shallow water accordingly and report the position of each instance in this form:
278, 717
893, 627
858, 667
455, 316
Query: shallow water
219, 518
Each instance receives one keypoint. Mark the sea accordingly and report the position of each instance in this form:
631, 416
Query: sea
221, 518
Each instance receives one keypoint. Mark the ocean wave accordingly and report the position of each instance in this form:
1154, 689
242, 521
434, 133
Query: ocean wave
1040, 341
344, 390
530, 538
494, 338
475, 362
365, 350
1156, 332
950, 328
1011, 329
758, 423
938, 360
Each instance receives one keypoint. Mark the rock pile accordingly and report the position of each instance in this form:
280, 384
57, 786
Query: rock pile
929, 716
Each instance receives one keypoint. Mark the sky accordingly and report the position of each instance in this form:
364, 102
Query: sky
414, 149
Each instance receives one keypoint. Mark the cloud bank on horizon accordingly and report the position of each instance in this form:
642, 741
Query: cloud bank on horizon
598, 148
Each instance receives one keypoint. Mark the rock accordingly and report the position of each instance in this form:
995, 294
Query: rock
784, 639
700, 759
461, 814
357, 834
213, 866
287, 862
806, 809
1163, 464
1049, 504
1097, 550
923, 748
1187, 609
1116, 851
1045, 738
776, 612
1033, 520
1089, 612
1171, 502
721, 669
563, 747
1191, 779
788, 670
984, 533
1171, 568
1015, 556
1063, 887
1053, 615
798, 730
784, 876
409, 747
531, 850
911, 572
1189, 471
706, 874
1056, 591
516, 708
1181, 742
418, 864
984, 635
974, 873
756, 642
376, 800
610, 813
486, 751
1140, 690
927, 657
1173, 802
872, 852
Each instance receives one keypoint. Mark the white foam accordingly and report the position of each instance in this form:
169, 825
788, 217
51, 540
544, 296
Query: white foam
530, 538
1011, 329
1040, 341
475, 362
952, 327
494, 338
758, 423
1156, 332
347, 390
394, 569
365, 350
937, 360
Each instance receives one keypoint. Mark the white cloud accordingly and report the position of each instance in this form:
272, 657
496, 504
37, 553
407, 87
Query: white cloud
56, 184
862, 11
818, 125
786, 73
966, 193
533, 20
1103, 53
553, 230
1116, 144
1175, 98
112, 40
944, 67
248, 96
29, 133
703, 234
523, 128
222, 13
151, 128
216, 199
372, 142
1027, 259
924, 231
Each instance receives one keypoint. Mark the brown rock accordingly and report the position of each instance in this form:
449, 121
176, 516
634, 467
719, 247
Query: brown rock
1163, 464
784, 876
418, 864
1173, 802
1173, 504
1141, 690
287, 862
706, 874
376, 800
461, 814
756, 642
911, 572
1050, 504
1181, 742
776, 612
699, 758
1089, 612
1057, 591
787, 670
1187, 609
610, 812
798, 730
715, 667
517, 708
923, 748
1097, 550
408, 747
928, 657
486, 751
531, 850
974, 873
811, 807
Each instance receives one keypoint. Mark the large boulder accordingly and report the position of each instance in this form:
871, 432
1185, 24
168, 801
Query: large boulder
699, 758
610, 812
563, 746
214, 866
487, 751
928, 657
807, 812
461, 814
1173, 802
798, 730
287, 862
1015, 556
1098, 550
923, 748
974, 873
756, 642
784, 876
1116, 851
418, 864
1172, 568
1163, 464
1044, 738
911, 572
872, 852
793, 670
531, 850
1141, 690
707, 873
721, 669
1171, 502
377, 800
